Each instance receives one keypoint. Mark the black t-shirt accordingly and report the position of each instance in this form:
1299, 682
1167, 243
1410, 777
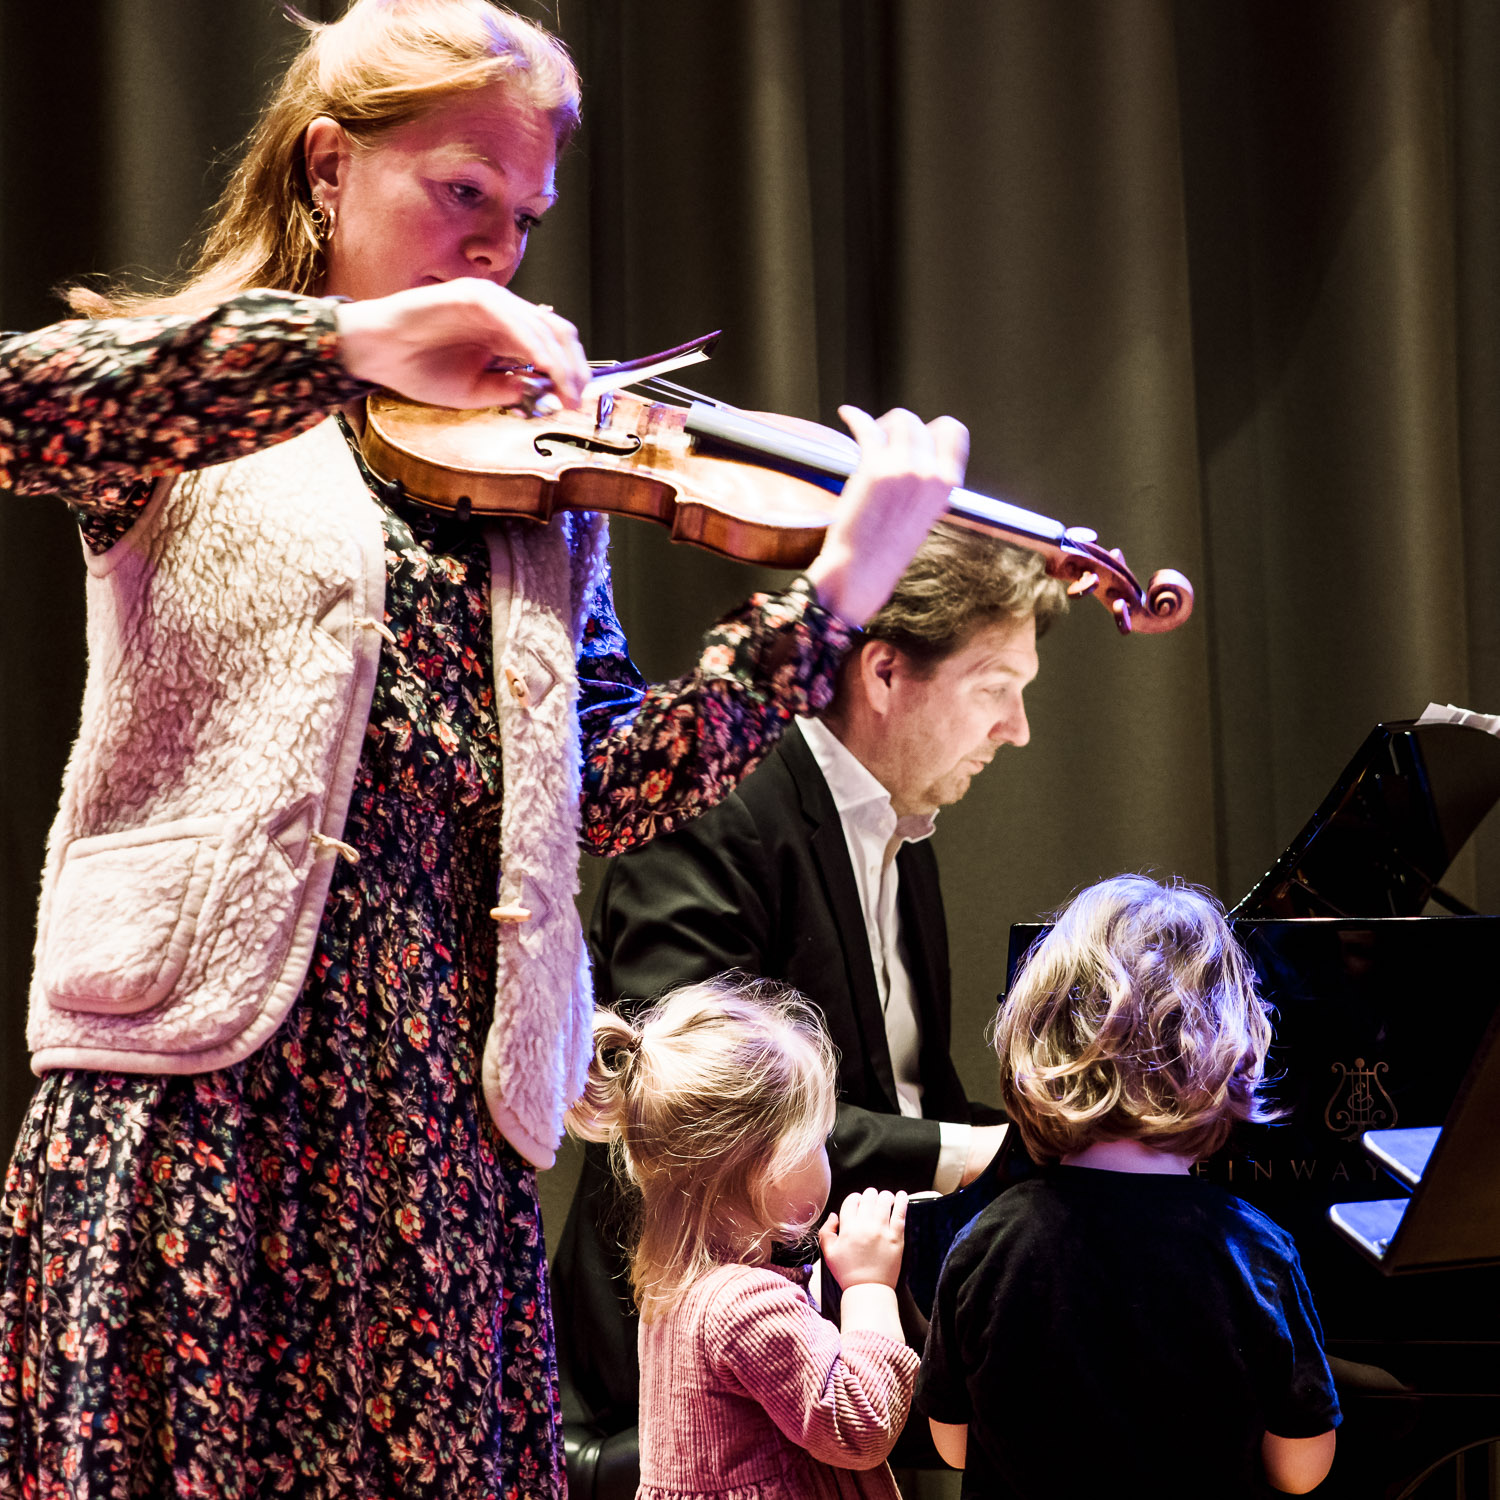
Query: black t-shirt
1123, 1333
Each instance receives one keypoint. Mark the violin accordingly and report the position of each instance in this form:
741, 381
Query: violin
748, 487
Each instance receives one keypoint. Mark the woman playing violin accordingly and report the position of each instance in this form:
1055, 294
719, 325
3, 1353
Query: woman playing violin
308, 1001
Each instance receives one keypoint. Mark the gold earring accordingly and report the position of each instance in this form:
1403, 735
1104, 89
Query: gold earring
323, 221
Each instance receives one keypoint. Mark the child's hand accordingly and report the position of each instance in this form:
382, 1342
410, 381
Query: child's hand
862, 1242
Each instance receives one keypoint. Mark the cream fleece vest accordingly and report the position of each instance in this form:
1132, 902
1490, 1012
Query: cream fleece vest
234, 637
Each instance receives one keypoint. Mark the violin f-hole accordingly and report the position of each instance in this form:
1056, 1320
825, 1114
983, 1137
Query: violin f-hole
622, 446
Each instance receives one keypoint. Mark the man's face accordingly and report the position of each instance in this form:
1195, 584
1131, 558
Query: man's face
943, 728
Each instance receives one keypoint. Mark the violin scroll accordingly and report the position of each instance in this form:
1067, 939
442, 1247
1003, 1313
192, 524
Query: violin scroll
1088, 569
1169, 600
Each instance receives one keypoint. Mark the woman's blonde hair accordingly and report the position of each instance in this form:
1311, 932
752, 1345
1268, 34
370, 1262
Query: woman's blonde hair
705, 1100
1135, 1018
384, 63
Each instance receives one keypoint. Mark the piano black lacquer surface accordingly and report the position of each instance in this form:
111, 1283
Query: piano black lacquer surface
1379, 1012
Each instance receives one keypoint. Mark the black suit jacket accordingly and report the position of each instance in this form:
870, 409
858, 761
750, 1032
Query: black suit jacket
762, 883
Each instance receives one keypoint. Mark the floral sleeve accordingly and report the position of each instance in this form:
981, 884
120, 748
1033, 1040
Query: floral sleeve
657, 757
98, 410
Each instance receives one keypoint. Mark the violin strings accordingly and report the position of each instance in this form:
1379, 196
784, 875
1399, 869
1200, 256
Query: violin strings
659, 385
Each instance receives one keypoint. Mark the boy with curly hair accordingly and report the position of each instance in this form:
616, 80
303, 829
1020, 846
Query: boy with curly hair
1116, 1325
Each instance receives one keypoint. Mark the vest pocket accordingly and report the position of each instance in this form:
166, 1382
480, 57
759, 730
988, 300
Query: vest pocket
123, 915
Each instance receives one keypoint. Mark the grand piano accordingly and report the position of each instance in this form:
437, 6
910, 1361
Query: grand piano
1386, 1018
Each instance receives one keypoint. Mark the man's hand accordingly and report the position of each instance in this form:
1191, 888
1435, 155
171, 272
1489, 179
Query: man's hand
985, 1142
440, 344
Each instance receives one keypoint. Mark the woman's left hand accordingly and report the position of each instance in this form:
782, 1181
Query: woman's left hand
899, 491
440, 344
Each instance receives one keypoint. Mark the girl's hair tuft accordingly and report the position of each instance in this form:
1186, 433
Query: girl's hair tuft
706, 1099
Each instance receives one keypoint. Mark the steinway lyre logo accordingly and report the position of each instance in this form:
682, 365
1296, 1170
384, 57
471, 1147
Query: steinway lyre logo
1359, 1101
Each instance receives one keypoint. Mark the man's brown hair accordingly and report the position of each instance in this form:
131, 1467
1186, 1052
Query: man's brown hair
960, 581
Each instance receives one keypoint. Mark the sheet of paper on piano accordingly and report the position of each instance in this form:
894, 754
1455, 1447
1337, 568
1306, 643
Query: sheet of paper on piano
1450, 713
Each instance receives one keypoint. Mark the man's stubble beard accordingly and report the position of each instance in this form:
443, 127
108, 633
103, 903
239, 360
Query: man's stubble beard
948, 789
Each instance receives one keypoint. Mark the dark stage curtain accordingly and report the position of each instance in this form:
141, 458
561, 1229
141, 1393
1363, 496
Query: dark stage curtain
1218, 280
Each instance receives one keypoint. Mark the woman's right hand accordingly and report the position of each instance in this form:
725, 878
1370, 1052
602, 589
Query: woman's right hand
439, 344
862, 1242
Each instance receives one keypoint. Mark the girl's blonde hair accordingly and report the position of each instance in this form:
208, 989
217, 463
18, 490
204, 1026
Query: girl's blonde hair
711, 1095
384, 63
1135, 1018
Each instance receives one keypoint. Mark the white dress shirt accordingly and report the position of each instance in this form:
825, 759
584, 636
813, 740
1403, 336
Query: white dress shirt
874, 835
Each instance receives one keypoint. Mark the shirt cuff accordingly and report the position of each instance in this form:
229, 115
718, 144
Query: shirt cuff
953, 1156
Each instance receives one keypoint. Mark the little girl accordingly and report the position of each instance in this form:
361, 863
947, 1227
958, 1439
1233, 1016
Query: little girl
717, 1105
1116, 1325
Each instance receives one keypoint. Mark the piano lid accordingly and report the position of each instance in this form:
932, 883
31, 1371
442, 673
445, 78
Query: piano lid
1387, 832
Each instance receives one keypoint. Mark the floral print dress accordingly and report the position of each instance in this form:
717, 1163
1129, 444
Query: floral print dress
320, 1272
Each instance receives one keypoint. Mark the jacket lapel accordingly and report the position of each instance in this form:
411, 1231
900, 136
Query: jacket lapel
830, 852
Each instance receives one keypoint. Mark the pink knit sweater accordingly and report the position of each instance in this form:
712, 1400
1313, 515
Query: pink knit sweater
747, 1393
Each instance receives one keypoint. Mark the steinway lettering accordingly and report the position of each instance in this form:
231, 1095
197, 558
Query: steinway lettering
1242, 1171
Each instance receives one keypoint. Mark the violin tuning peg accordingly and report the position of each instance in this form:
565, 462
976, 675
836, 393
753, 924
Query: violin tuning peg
1120, 608
1085, 583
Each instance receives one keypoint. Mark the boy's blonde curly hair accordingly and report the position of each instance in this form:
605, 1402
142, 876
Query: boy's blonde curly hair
1135, 1018
705, 1100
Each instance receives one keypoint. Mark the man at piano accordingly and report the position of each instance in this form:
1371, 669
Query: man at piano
817, 871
